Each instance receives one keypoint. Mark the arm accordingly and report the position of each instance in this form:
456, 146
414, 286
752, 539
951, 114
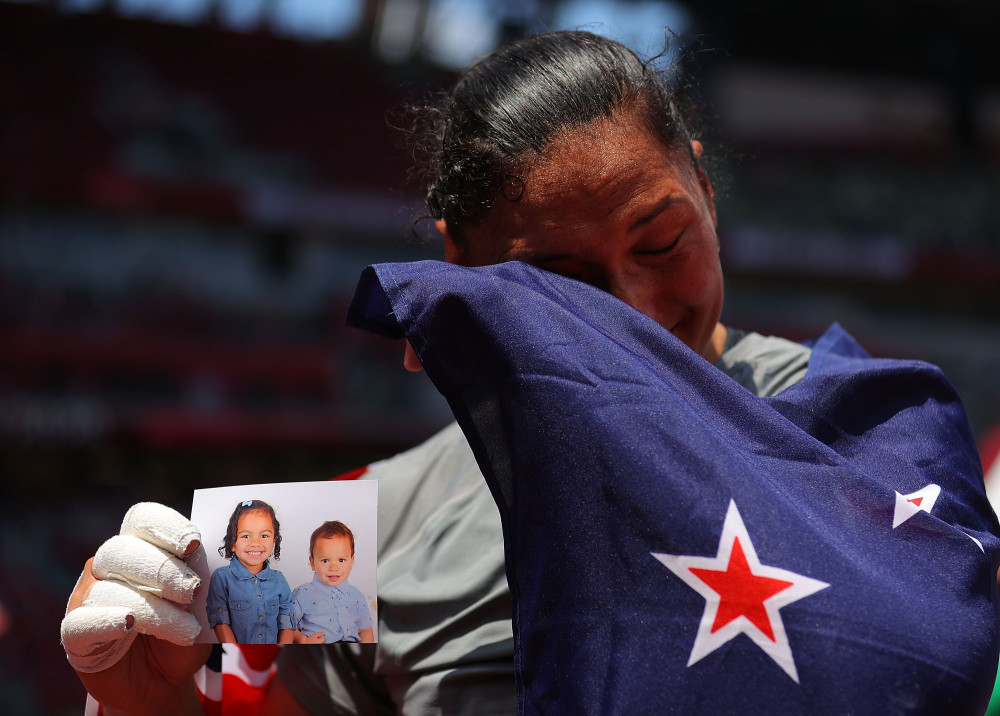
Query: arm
286, 636
301, 637
217, 608
363, 618
224, 633
288, 614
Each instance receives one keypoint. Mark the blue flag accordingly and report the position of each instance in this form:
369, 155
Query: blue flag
676, 544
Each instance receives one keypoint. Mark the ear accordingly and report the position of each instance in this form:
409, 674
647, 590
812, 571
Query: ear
311, 563
453, 252
703, 181
410, 360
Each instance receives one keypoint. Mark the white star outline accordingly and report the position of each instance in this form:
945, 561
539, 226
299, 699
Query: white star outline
923, 500
909, 505
706, 641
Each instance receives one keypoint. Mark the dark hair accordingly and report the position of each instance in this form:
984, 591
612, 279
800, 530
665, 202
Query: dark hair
329, 530
226, 550
477, 142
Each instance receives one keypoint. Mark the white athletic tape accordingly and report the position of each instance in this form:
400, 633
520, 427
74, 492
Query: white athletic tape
146, 567
95, 638
161, 526
154, 616
97, 635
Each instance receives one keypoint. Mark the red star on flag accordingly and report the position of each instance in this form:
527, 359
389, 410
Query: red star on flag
742, 596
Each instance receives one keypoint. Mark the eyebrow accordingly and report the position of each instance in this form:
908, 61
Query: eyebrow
665, 203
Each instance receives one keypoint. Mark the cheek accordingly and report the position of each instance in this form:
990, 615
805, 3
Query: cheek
691, 283
697, 290
701, 279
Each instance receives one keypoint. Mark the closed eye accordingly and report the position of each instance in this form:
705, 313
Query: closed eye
661, 251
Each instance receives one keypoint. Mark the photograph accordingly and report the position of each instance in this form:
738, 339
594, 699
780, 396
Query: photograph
288, 563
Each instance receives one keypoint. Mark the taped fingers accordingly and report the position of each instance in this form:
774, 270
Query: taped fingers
146, 567
99, 633
163, 527
95, 638
153, 616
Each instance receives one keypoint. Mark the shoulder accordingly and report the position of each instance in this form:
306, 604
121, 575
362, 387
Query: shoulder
222, 574
354, 592
446, 448
765, 365
279, 580
415, 485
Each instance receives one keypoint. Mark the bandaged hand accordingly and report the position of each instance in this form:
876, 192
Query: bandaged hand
136, 584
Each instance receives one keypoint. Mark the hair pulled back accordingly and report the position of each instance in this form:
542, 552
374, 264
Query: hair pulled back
478, 141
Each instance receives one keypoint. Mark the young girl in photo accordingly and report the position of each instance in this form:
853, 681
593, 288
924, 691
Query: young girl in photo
248, 602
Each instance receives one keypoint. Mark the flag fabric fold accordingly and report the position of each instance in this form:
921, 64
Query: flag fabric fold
675, 543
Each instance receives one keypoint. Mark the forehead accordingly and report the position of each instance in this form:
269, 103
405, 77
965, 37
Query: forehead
332, 545
589, 156
592, 175
255, 520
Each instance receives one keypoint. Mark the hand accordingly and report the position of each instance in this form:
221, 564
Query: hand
317, 638
130, 644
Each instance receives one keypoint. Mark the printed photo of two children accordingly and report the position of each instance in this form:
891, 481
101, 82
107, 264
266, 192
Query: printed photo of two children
287, 563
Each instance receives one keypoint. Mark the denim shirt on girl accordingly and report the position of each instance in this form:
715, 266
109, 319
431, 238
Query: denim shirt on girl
340, 612
255, 606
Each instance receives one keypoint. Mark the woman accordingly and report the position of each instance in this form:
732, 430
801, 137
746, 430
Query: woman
566, 152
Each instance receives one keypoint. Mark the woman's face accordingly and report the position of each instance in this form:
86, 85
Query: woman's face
610, 205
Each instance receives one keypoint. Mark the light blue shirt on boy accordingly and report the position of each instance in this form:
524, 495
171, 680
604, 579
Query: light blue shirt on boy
339, 612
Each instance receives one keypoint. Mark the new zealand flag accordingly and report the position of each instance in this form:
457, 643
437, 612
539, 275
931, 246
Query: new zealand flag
676, 544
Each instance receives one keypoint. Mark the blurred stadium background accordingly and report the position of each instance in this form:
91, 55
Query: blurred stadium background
190, 188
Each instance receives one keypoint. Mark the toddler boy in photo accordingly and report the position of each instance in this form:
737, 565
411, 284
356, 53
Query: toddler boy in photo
329, 608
